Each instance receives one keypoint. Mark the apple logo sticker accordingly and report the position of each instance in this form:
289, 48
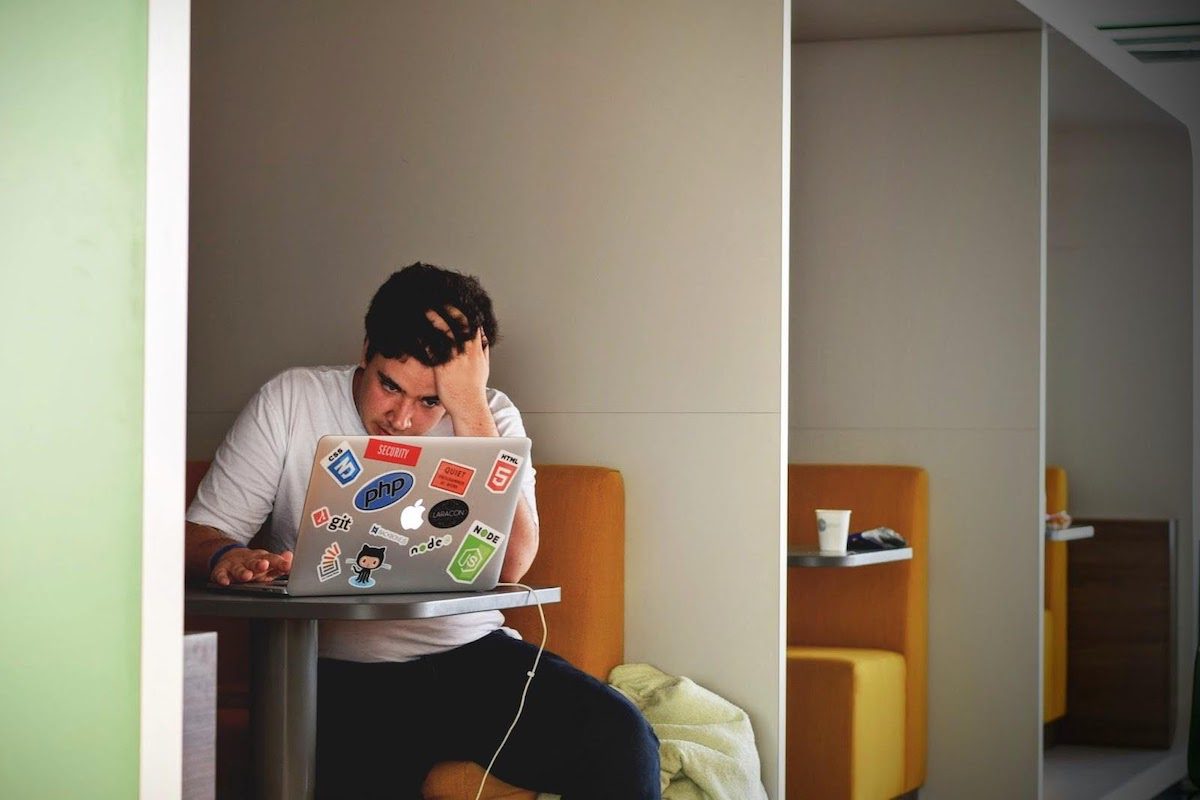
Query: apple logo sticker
413, 517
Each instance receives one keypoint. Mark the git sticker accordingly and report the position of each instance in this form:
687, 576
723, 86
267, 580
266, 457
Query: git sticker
330, 566
405, 454
451, 477
321, 517
341, 464
503, 472
474, 553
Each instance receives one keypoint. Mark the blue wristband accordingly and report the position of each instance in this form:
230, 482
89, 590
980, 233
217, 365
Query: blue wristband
215, 557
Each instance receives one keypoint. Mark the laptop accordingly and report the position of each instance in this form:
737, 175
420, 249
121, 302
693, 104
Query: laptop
392, 514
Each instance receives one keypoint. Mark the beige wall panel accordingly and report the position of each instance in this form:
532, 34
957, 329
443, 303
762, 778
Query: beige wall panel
915, 186
984, 599
702, 545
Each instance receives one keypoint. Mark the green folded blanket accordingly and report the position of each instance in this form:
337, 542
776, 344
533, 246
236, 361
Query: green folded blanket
706, 744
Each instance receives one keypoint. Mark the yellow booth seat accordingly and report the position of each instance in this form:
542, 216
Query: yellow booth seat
1054, 690
857, 641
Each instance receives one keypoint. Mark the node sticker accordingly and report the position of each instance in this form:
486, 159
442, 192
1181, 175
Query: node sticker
503, 472
405, 454
474, 553
384, 533
321, 517
451, 477
341, 464
434, 543
448, 513
369, 559
383, 491
330, 566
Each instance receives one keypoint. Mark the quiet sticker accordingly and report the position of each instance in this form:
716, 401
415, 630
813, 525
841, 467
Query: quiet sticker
451, 477
380, 450
474, 553
503, 472
330, 566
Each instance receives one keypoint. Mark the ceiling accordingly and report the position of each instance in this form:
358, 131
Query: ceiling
823, 20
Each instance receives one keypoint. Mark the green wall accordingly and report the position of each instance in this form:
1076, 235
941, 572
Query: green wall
72, 228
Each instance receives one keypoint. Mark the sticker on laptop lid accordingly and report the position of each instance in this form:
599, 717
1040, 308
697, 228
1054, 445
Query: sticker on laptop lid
434, 543
452, 477
404, 454
503, 471
413, 517
448, 513
321, 517
330, 566
341, 522
474, 553
384, 533
385, 490
342, 465
369, 559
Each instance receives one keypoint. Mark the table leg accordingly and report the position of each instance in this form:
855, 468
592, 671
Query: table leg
284, 720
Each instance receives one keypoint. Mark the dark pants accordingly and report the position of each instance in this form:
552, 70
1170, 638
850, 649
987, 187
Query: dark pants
381, 727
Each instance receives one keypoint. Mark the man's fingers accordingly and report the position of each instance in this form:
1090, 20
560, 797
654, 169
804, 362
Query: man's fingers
452, 322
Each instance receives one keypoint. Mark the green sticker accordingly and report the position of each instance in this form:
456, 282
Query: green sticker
474, 552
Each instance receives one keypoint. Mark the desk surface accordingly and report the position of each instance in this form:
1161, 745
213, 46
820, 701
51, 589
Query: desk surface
1070, 534
816, 558
378, 606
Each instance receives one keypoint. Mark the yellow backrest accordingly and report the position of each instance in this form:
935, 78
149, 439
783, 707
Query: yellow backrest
1054, 693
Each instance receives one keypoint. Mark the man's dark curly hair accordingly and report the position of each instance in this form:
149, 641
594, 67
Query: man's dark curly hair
396, 321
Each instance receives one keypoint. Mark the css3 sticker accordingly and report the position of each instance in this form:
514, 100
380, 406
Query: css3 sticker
474, 553
503, 472
383, 491
341, 464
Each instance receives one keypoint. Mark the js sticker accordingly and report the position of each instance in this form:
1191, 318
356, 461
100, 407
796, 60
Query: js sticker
341, 465
474, 553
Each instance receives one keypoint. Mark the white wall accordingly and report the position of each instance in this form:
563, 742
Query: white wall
612, 172
915, 339
1119, 331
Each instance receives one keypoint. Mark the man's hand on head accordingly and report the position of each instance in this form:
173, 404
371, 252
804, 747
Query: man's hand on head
462, 381
243, 565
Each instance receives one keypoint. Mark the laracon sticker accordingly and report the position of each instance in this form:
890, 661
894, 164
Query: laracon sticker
369, 559
384, 533
330, 566
383, 491
474, 553
321, 517
434, 543
448, 513
405, 454
451, 477
341, 522
503, 472
341, 464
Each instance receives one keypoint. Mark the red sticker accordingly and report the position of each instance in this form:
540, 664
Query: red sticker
321, 517
452, 478
503, 472
406, 454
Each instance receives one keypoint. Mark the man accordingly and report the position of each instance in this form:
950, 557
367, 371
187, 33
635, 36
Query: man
396, 697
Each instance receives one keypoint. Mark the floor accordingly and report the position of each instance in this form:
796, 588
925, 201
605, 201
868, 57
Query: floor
1102, 773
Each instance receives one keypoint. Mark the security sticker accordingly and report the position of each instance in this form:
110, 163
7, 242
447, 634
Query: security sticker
474, 553
342, 465
448, 513
434, 543
369, 559
330, 566
451, 477
341, 522
503, 472
321, 517
405, 454
384, 533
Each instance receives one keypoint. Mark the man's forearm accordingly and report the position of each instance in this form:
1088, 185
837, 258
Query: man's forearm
199, 544
522, 545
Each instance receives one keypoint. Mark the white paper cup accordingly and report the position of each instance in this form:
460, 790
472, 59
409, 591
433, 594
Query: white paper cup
833, 528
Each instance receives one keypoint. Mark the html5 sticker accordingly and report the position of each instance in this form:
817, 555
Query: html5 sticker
451, 477
503, 471
405, 454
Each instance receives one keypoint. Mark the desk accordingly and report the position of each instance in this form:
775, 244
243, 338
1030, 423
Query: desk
283, 660
1070, 534
817, 558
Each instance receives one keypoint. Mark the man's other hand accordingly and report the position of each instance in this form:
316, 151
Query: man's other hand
243, 565
462, 381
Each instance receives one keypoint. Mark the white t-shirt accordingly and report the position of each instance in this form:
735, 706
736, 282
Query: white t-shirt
260, 474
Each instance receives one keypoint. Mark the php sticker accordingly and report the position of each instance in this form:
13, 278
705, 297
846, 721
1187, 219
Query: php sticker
383, 491
369, 559
503, 472
474, 553
321, 517
448, 513
434, 543
341, 464
405, 454
451, 477
330, 566
384, 533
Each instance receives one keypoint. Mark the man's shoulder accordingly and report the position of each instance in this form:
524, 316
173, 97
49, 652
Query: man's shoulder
307, 379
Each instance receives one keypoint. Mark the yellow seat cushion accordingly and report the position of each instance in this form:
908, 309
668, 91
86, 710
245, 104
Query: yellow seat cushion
845, 723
